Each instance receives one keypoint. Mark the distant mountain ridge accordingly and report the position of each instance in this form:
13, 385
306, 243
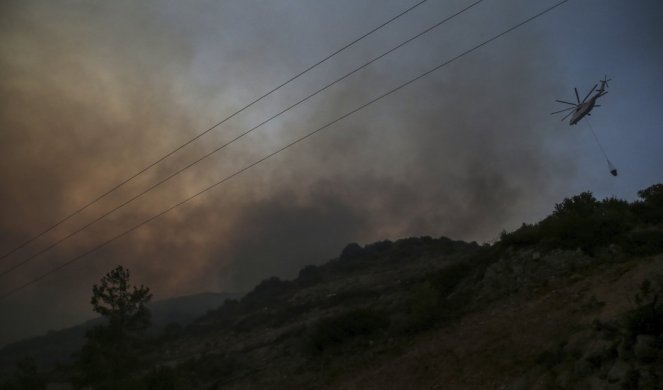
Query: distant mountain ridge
59, 345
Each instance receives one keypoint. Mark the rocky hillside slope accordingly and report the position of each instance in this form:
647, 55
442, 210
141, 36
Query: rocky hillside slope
571, 302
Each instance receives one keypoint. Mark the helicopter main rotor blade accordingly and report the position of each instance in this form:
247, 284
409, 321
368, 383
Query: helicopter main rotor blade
590, 92
562, 101
568, 115
577, 97
566, 109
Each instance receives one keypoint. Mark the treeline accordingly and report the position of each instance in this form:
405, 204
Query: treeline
584, 222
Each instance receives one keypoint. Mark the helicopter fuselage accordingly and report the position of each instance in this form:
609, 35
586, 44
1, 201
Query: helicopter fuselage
582, 110
585, 108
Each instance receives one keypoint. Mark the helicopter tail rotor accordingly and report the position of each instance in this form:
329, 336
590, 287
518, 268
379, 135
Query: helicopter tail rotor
605, 81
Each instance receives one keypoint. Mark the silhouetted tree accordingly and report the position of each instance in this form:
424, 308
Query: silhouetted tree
651, 208
109, 359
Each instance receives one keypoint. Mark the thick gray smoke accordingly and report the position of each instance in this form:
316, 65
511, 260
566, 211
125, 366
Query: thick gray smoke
93, 92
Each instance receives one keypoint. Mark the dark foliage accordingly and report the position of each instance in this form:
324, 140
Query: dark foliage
647, 318
26, 377
446, 279
109, 359
122, 306
335, 331
583, 222
377, 248
309, 276
210, 367
350, 296
351, 251
165, 378
422, 312
650, 210
266, 292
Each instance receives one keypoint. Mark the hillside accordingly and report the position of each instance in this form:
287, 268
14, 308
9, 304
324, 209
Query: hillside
569, 302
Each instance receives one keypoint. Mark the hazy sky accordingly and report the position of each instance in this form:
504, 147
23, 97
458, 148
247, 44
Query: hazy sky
94, 91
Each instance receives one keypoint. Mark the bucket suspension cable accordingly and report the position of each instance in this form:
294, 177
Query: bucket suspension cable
611, 167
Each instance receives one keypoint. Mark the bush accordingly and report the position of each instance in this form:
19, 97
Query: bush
266, 292
574, 224
650, 210
348, 296
212, 366
309, 276
334, 331
526, 235
447, 279
26, 376
423, 309
647, 318
351, 251
579, 222
644, 241
165, 378
652, 195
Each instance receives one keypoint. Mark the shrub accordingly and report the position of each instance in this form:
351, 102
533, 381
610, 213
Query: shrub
266, 292
212, 366
423, 309
351, 251
650, 210
448, 278
26, 376
526, 235
309, 275
652, 195
584, 204
345, 327
578, 222
647, 318
164, 378
644, 241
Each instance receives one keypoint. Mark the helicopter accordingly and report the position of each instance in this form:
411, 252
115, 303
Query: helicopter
584, 107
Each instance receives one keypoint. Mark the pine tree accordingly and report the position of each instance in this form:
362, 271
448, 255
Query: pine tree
109, 359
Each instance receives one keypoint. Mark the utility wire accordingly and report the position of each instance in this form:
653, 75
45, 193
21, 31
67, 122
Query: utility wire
227, 178
167, 178
84, 207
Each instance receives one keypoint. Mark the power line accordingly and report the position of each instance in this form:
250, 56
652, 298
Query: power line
223, 146
298, 140
90, 203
